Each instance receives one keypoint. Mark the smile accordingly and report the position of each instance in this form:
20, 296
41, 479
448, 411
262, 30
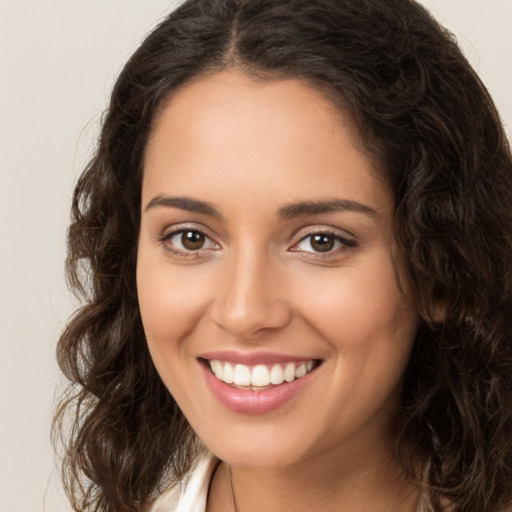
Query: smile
257, 383
260, 376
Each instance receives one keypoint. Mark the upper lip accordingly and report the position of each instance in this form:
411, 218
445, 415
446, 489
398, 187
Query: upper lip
253, 358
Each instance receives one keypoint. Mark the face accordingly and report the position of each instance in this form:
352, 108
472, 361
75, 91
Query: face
270, 286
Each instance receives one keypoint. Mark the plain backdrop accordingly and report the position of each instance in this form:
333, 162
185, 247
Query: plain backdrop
58, 61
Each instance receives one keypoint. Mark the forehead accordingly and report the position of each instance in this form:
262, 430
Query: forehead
214, 99
231, 129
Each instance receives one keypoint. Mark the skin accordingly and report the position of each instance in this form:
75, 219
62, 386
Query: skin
250, 149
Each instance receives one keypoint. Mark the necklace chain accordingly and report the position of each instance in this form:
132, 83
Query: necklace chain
232, 490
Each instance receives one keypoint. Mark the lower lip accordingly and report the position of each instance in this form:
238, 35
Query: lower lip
247, 401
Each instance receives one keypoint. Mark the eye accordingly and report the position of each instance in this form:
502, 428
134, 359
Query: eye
323, 243
188, 240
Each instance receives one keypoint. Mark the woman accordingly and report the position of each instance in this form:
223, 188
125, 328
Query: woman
294, 244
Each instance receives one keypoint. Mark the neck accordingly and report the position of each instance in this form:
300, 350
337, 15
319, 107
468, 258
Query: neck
351, 481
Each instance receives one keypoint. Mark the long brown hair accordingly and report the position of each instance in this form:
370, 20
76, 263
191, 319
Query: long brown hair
422, 113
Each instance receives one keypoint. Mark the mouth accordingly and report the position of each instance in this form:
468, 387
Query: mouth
258, 382
260, 377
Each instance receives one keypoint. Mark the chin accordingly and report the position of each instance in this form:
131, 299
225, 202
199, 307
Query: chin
257, 450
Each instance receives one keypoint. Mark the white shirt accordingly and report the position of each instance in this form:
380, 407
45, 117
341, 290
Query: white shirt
191, 493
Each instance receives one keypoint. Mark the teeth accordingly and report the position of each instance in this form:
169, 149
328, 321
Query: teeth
300, 371
261, 375
228, 374
276, 375
217, 369
289, 372
242, 375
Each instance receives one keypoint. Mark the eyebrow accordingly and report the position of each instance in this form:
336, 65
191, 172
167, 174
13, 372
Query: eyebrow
289, 211
304, 208
183, 203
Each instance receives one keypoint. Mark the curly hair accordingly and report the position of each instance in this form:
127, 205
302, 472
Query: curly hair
422, 114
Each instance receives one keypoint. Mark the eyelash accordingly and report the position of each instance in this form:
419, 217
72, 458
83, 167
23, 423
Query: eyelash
183, 253
346, 244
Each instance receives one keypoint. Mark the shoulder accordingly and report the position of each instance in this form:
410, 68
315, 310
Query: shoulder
190, 494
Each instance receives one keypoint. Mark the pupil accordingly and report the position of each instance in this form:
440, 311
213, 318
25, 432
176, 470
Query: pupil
322, 243
192, 240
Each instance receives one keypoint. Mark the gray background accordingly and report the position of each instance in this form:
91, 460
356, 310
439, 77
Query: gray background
58, 61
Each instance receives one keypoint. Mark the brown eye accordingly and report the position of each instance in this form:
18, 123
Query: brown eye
192, 240
329, 244
322, 242
188, 241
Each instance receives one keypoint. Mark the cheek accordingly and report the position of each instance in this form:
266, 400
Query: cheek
369, 324
171, 301
362, 313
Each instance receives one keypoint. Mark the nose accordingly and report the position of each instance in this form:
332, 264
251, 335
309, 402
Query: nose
251, 298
